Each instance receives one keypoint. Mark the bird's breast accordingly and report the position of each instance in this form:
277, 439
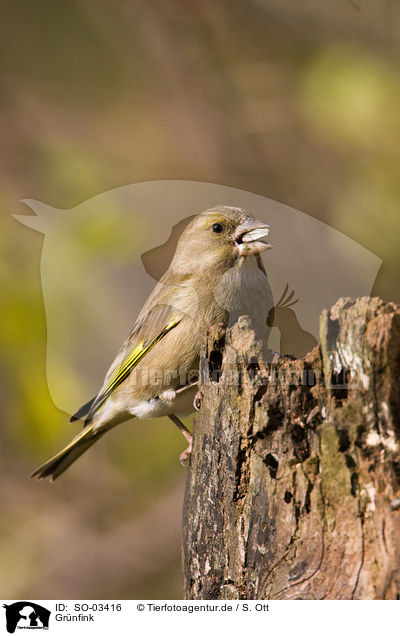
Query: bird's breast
245, 290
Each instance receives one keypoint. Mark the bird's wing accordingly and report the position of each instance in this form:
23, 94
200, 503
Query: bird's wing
162, 312
149, 329
147, 332
82, 411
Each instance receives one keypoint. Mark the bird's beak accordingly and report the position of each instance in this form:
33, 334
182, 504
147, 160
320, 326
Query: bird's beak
250, 238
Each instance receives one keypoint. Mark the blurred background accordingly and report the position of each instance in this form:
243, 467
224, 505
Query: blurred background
296, 101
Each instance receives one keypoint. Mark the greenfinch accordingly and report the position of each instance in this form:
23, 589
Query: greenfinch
215, 276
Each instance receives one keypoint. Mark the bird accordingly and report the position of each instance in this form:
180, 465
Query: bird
216, 275
294, 340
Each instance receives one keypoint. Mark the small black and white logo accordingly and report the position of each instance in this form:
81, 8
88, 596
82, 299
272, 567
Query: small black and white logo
26, 615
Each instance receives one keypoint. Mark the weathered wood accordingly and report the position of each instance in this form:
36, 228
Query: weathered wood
293, 491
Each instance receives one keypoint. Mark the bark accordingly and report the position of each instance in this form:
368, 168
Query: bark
293, 489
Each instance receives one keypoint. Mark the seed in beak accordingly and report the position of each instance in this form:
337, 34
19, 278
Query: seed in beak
251, 242
256, 234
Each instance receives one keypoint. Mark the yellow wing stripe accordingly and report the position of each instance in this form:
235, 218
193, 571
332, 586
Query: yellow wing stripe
130, 360
129, 363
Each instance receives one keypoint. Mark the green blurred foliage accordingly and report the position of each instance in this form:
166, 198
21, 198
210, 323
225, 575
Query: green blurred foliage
296, 101
351, 100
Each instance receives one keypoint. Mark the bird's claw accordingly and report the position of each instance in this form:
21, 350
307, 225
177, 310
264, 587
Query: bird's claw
197, 400
184, 457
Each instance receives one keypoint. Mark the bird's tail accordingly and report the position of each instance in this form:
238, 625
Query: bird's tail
60, 462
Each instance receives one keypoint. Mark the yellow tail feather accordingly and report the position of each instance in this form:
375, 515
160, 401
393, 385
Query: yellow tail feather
60, 462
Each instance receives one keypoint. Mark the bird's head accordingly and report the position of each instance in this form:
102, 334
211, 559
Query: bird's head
218, 238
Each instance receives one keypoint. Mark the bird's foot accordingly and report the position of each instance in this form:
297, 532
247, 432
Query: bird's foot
184, 457
187, 434
197, 400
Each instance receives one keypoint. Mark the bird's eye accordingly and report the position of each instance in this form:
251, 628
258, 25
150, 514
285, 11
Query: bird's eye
217, 228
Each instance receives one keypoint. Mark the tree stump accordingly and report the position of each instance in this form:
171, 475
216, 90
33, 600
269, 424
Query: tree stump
293, 491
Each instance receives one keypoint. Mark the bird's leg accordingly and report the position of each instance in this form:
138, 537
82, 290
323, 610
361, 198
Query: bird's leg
187, 434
